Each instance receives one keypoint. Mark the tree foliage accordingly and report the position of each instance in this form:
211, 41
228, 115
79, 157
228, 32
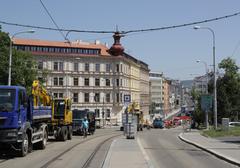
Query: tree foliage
23, 64
198, 115
228, 90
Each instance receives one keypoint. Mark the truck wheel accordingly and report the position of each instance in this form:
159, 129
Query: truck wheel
24, 146
43, 143
64, 133
70, 132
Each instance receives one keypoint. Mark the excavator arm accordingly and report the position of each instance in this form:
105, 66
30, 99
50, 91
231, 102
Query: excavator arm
40, 95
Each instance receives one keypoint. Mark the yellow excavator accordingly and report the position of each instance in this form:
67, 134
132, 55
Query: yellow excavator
60, 125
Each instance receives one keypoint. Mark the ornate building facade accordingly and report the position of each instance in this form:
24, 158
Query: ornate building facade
94, 76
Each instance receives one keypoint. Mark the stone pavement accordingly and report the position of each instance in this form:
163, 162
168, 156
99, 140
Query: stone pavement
229, 152
126, 153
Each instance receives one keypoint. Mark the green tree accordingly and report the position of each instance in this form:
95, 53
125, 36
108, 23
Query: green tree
198, 114
228, 90
23, 65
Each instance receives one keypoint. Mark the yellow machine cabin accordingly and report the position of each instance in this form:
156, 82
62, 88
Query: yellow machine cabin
62, 113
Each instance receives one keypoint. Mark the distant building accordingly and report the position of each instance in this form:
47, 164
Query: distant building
157, 93
200, 83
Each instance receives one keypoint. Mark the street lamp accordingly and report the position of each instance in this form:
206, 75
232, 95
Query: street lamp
214, 74
206, 112
10, 54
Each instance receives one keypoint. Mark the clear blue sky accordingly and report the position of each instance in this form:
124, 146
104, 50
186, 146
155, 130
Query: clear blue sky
173, 52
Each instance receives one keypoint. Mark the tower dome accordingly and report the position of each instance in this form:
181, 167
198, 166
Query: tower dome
117, 48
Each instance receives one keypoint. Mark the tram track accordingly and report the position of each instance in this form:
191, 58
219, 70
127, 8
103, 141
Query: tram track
88, 161
90, 158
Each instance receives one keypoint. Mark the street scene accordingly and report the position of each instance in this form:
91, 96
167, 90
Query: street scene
119, 84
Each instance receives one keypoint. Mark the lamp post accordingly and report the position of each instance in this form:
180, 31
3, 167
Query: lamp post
10, 54
214, 74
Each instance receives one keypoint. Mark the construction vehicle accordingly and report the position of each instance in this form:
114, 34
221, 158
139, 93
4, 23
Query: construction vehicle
60, 125
134, 108
28, 120
23, 122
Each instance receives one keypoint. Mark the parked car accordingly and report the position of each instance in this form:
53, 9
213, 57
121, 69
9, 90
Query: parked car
234, 124
158, 123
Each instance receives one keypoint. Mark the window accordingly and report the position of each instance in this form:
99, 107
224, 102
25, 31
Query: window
61, 66
108, 67
117, 95
58, 66
117, 82
108, 113
97, 82
60, 81
60, 95
117, 67
97, 113
75, 66
75, 97
121, 68
97, 67
121, 82
55, 66
108, 97
55, 95
86, 81
55, 81
86, 97
75, 81
107, 82
87, 67
40, 65
97, 97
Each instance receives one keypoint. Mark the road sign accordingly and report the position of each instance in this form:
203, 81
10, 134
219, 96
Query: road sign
127, 98
206, 102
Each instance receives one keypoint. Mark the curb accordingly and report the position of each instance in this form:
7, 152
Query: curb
229, 160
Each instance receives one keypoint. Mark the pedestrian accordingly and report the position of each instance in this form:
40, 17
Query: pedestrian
85, 125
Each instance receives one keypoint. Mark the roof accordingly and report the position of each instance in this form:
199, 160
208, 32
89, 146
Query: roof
75, 44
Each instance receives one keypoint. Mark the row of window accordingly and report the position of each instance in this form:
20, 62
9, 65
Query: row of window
58, 81
59, 66
96, 98
104, 114
107, 99
58, 50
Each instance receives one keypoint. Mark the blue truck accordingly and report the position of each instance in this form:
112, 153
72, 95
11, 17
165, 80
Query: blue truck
22, 125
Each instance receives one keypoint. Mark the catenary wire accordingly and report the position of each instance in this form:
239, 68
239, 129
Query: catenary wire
122, 32
53, 20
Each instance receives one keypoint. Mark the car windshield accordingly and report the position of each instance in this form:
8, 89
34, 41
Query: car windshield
7, 102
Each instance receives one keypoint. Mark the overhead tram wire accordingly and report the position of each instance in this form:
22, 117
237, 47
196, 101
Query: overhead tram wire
122, 32
182, 25
53, 20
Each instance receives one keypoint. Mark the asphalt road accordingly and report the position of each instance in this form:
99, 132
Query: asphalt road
166, 150
70, 154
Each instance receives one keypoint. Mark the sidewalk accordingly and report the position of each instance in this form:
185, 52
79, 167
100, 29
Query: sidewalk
126, 153
229, 152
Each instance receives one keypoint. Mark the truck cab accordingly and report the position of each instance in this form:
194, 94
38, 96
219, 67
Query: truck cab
13, 113
21, 125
